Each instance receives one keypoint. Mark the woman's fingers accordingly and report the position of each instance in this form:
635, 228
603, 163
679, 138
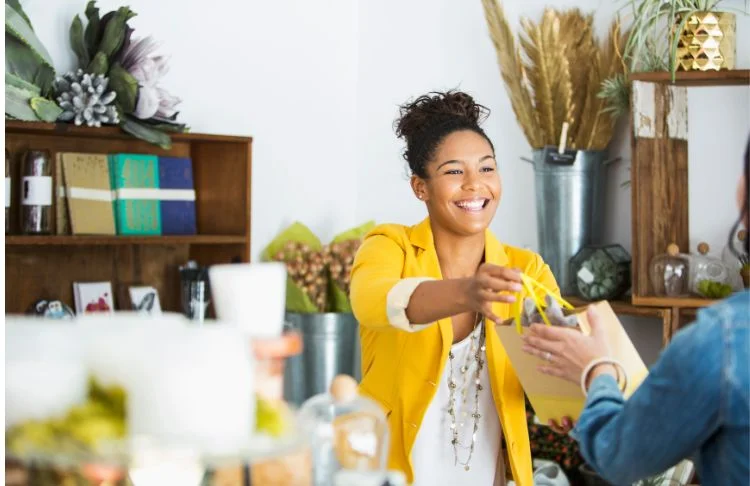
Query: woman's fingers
552, 424
497, 284
504, 273
538, 346
491, 296
488, 314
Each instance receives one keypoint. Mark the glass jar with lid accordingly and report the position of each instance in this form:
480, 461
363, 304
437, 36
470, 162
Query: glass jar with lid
704, 267
601, 272
670, 272
349, 432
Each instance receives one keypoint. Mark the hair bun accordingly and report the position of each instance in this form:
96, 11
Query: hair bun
437, 108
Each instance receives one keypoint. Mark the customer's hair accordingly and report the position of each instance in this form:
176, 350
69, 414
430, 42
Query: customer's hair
744, 210
426, 121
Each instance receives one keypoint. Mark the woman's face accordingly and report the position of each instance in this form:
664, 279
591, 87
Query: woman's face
463, 187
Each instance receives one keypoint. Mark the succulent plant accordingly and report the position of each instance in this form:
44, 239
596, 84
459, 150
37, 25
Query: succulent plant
714, 290
28, 70
84, 99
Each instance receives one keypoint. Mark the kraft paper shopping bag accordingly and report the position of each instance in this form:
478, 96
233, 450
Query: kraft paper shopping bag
554, 398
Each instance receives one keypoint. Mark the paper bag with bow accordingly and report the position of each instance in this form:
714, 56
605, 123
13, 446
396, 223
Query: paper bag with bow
554, 398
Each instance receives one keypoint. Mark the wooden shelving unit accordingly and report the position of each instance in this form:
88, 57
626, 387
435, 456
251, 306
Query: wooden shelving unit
46, 266
736, 77
659, 175
674, 302
83, 240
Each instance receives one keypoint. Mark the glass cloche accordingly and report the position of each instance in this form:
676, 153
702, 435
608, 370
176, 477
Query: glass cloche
710, 277
349, 432
601, 272
670, 272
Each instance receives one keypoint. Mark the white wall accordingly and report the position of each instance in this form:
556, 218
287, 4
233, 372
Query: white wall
317, 84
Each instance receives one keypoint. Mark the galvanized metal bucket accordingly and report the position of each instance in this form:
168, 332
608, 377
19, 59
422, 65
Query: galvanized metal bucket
330, 341
569, 205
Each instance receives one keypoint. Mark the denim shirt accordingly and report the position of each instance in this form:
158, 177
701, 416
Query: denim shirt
695, 403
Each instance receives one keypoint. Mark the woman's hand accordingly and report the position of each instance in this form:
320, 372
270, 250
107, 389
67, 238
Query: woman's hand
483, 289
568, 351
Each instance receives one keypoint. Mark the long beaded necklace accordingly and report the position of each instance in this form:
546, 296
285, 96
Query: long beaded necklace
476, 349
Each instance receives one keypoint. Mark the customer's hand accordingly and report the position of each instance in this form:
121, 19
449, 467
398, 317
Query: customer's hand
562, 428
567, 351
485, 287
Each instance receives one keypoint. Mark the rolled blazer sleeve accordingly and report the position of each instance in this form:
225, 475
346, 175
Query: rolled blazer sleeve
379, 294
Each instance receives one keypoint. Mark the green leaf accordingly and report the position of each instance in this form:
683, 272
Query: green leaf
46, 110
114, 32
18, 27
355, 233
16, 5
92, 28
339, 299
77, 43
141, 131
99, 64
20, 83
17, 104
297, 232
297, 300
125, 85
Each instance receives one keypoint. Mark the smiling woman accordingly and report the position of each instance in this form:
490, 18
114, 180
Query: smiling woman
427, 298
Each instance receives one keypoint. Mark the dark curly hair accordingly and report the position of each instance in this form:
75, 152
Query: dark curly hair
426, 121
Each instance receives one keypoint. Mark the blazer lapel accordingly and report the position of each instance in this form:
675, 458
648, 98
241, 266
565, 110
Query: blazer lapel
421, 237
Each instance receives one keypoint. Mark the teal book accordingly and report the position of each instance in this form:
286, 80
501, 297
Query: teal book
135, 183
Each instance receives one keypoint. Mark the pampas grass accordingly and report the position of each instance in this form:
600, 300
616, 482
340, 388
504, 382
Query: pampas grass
554, 75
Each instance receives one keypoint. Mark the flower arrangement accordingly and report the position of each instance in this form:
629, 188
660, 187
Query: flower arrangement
556, 75
131, 67
317, 274
117, 80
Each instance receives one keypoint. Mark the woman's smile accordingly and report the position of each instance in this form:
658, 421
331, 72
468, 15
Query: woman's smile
473, 205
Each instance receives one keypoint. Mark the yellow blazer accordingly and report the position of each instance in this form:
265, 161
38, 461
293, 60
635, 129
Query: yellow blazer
400, 369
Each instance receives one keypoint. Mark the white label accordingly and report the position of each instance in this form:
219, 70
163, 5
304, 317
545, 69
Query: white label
586, 275
36, 191
7, 192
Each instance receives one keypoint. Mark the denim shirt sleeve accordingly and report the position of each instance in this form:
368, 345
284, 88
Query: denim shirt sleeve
675, 410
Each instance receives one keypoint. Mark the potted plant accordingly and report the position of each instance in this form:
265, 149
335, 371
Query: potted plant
317, 305
687, 34
553, 74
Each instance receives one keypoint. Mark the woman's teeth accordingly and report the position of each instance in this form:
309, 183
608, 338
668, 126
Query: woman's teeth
472, 204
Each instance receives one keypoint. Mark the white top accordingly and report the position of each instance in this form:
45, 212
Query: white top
433, 456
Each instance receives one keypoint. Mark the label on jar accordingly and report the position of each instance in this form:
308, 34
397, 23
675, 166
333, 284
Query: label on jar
36, 191
586, 275
7, 192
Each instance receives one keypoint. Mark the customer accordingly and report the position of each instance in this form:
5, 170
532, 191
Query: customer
696, 399
426, 298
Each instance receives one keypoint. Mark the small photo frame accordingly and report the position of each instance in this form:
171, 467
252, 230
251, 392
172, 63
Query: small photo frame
93, 297
145, 300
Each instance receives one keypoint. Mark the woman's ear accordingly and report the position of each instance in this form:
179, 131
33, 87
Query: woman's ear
419, 186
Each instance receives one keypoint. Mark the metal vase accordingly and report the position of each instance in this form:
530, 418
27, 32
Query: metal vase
329, 348
569, 206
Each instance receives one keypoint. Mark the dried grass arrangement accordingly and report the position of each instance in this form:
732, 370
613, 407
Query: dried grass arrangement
557, 75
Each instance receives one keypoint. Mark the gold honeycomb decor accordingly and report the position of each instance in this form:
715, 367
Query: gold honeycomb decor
707, 42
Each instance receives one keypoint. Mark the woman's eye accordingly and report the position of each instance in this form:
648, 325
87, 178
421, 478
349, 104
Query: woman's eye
487, 169
454, 172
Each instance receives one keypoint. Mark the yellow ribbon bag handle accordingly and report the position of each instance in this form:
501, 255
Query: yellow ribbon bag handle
531, 285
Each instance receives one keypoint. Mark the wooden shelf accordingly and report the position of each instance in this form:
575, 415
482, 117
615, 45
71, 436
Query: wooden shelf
83, 240
625, 307
109, 132
47, 266
735, 77
673, 302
